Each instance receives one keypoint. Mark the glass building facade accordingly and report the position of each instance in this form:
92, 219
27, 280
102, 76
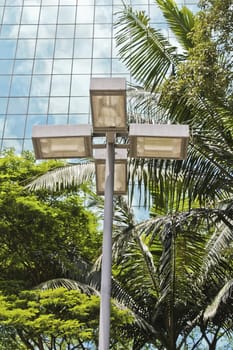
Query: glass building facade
49, 49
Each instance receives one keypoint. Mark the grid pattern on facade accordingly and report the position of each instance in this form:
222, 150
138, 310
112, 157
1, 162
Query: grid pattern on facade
49, 49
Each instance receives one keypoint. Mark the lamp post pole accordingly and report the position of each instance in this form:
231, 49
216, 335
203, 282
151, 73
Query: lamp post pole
106, 267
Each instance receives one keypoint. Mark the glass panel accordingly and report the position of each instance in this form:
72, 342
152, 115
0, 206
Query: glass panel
28, 31
101, 66
79, 105
60, 85
26, 48
12, 15
17, 105
47, 31
82, 66
6, 66
103, 14
38, 105
7, 48
5, 81
85, 14
102, 48
80, 85
64, 48
103, 31
34, 120
66, 14
45, 48
58, 105
20, 85
9, 31
16, 144
14, 126
43, 66
40, 85
65, 31
3, 105
30, 15
62, 66
84, 31
83, 48
57, 119
48, 15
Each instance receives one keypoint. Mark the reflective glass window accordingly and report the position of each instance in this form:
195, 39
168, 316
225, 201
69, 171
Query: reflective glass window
103, 31
20, 85
84, 30
17, 105
26, 48
45, 48
85, 14
60, 85
23, 66
12, 15
34, 120
40, 85
102, 48
83, 48
3, 105
6, 66
7, 48
79, 104
15, 125
64, 48
62, 66
47, 31
58, 105
80, 85
5, 81
38, 105
101, 65
43, 66
28, 31
103, 14
48, 14
30, 15
66, 14
9, 31
65, 31
82, 66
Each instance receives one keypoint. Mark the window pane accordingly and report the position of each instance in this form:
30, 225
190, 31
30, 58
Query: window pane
62, 66
20, 85
30, 15
64, 48
45, 48
58, 105
48, 14
17, 105
7, 48
23, 66
103, 14
40, 85
3, 105
9, 31
102, 48
26, 48
60, 85
66, 14
14, 126
43, 66
5, 85
38, 105
101, 66
47, 31
82, 66
65, 31
6, 66
85, 14
12, 15
28, 31
80, 85
83, 48
84, 31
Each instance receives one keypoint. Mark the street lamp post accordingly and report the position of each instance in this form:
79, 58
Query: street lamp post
109, 120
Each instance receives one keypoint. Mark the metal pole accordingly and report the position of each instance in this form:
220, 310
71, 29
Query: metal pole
106, 269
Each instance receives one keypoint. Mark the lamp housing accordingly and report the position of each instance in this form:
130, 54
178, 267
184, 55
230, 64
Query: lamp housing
163, 141
108, 104
62, 141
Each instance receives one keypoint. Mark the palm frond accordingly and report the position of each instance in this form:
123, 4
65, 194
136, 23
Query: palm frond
145, 51
221, 303
69, 176
181, 21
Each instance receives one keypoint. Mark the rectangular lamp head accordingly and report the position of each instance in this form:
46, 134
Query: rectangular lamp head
108, 104
62, 141
162, 141
120, 171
